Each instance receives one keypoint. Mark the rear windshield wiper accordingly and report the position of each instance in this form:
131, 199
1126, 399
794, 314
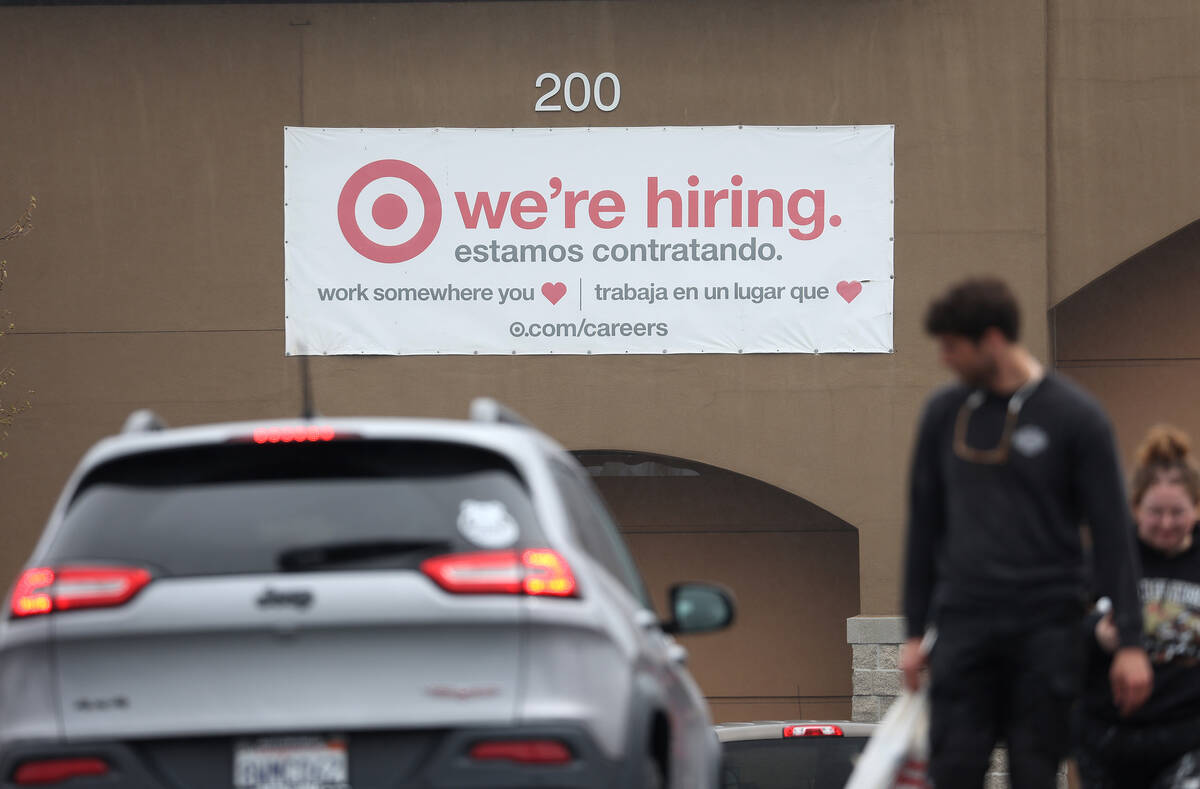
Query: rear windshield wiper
316, 557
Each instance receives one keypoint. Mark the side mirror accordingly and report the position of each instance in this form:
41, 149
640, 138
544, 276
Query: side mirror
699, 608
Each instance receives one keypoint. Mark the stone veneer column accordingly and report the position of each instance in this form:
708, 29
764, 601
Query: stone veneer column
875, 641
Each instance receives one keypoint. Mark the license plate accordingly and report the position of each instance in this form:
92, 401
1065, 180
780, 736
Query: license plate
291, 763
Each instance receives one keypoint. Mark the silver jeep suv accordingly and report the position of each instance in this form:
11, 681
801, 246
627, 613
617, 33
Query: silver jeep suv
344, 604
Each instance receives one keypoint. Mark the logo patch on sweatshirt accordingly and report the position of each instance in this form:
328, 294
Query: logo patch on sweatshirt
1030, 440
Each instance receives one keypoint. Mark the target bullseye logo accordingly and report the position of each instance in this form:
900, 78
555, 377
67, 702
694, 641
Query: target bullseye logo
389, 211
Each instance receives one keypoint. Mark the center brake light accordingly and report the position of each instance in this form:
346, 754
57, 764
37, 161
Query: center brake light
45, 590
812, 731
535, 571
293, 434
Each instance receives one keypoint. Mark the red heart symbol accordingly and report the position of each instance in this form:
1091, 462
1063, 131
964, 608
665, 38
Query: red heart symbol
554, 291
849, 290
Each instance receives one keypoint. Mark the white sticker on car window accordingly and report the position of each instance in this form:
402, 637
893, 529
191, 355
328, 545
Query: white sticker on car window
487, 524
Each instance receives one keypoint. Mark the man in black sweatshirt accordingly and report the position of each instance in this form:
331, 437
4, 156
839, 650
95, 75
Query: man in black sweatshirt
1008, 466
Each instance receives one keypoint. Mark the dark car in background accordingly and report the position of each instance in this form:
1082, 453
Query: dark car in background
790, 754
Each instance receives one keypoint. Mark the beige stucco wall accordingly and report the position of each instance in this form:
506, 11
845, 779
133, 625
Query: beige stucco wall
152, 136
1124, 95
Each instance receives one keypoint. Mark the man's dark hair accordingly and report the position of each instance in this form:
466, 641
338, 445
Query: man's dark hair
970, 308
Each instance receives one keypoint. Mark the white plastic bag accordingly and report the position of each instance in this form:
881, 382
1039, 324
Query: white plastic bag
898, 753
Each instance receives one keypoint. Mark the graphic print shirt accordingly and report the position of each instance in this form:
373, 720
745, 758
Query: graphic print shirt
1171, 612
1170, 594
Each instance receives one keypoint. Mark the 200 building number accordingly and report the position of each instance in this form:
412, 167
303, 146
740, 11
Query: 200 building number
576, 85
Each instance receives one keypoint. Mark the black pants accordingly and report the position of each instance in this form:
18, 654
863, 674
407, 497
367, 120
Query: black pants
1123, 756
1003, 678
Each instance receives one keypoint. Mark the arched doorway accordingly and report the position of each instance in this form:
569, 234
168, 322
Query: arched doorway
1132, 338
792, 565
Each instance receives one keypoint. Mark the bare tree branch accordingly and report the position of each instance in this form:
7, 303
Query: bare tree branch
22, 225
8, 411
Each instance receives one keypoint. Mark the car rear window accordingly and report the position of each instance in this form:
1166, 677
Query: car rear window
247, 508
796, 763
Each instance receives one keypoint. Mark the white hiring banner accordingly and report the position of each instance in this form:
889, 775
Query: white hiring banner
589, 240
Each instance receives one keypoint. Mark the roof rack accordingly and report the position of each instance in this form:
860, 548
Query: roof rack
143, 420
485, 409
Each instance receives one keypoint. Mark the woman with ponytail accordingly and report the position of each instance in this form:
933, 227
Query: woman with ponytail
1130, 752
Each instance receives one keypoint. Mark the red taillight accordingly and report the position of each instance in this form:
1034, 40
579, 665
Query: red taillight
43, 590
492, 572
536, 571
52, 771
32, 592
812, 731
522, 752
293, 434
96, 587
547, 573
